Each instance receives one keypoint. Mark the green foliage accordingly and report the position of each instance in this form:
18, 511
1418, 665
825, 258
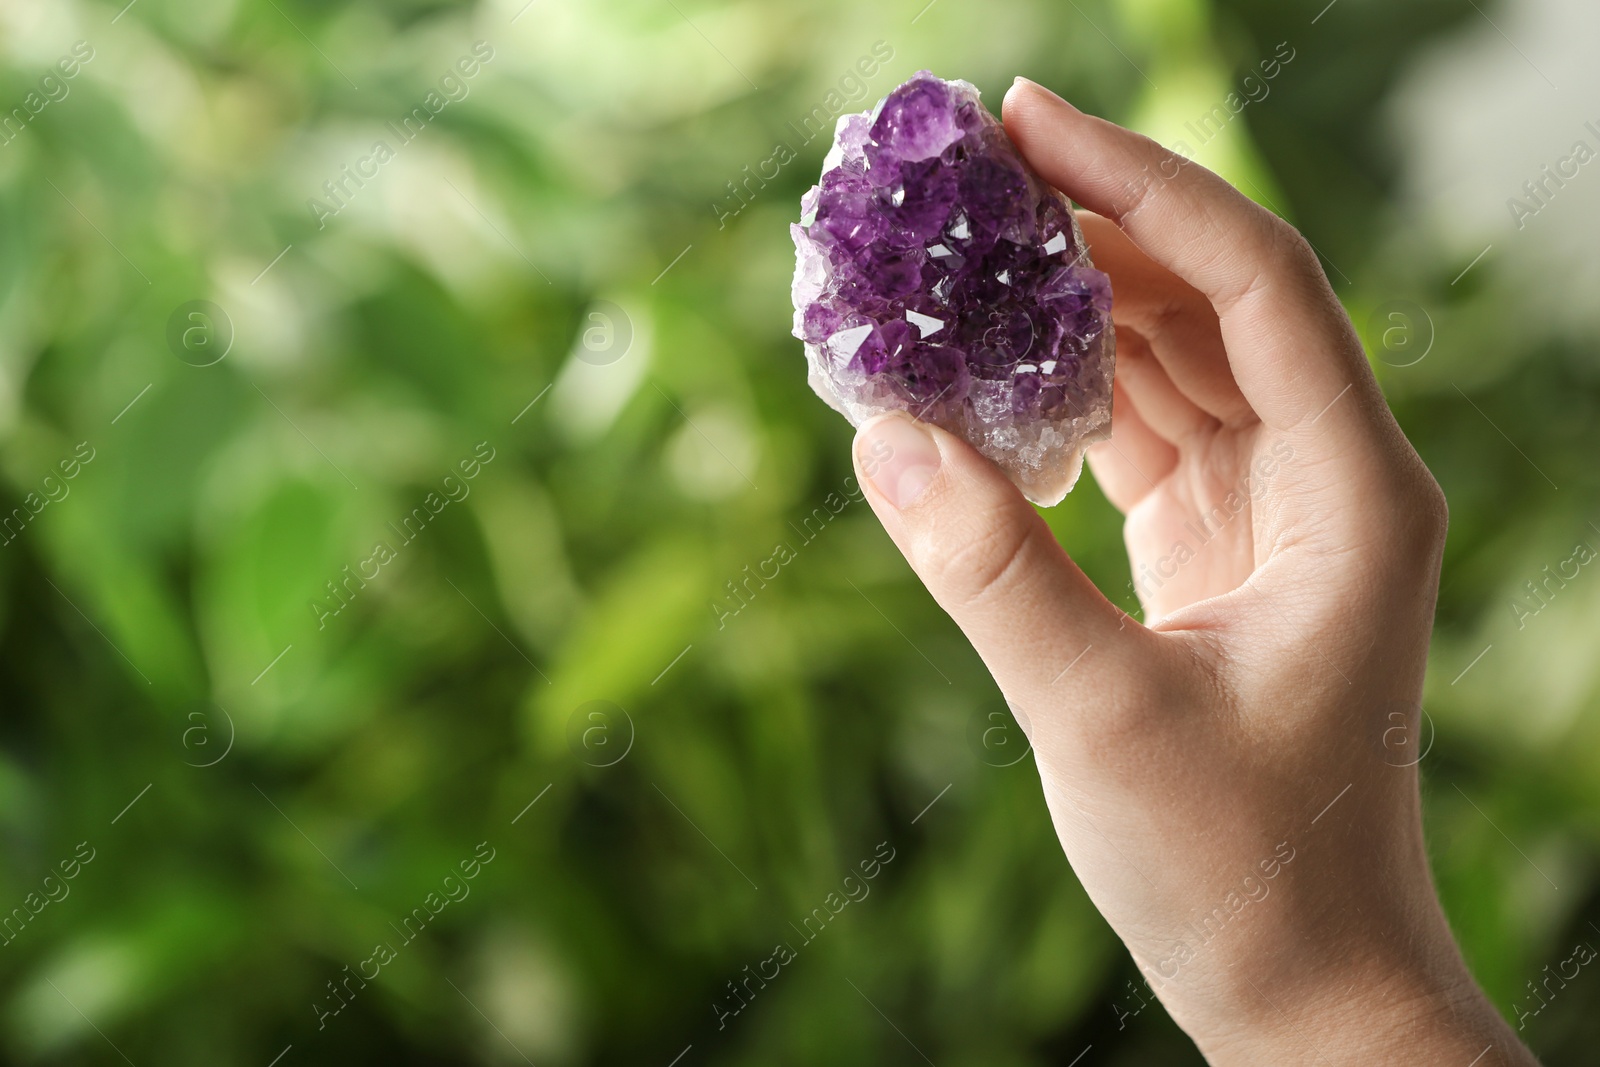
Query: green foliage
314, 733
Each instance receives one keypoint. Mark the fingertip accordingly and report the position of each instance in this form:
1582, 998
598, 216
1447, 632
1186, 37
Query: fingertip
1025, 92
1009, 103
898, 456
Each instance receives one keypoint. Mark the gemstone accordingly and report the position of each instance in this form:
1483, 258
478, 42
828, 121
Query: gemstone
937, 274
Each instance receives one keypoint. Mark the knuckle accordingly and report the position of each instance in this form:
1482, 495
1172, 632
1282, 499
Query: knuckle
1418, 514
1166, 321
1289, 246
1160, 166
1427, 509
1276, 253
974, 554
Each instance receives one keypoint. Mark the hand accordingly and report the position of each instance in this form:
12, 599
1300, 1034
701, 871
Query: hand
1225, 778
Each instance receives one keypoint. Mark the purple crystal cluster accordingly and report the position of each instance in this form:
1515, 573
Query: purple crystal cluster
936, 273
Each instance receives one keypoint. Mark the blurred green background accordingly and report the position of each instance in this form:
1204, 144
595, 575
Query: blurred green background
542, 328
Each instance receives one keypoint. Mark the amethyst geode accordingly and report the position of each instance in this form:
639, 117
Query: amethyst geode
936, 273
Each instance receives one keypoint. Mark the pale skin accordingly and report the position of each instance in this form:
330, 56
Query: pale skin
1252, 715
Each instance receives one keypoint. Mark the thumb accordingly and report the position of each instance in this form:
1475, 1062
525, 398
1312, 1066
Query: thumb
990, 560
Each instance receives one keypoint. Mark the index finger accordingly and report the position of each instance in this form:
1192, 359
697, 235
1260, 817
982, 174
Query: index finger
1290, 346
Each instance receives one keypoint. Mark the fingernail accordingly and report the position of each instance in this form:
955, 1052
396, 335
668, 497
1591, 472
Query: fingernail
1028, 83
898, 456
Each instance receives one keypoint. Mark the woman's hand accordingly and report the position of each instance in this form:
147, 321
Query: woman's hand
1230, 780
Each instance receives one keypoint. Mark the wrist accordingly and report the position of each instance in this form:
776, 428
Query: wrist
1410, 1003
